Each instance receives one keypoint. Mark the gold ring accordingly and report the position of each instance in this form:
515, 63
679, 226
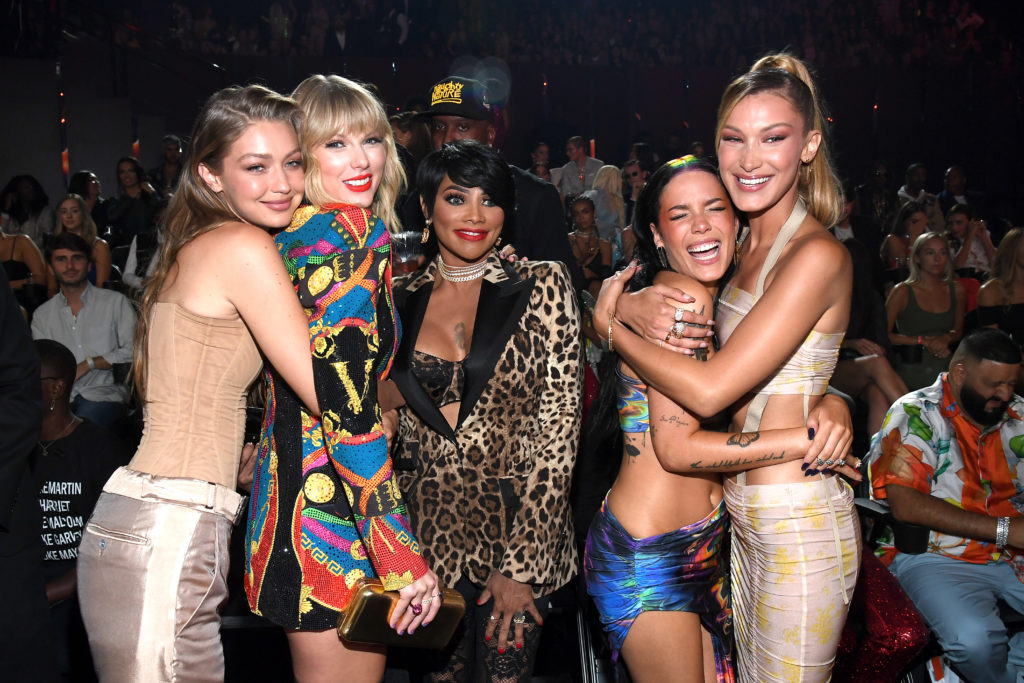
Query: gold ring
519, 618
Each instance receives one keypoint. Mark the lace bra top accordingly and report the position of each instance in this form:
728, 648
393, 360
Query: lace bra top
443, 380
810, 367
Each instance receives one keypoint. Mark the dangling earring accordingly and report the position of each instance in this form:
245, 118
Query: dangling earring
426, 232
663, 257
53, 402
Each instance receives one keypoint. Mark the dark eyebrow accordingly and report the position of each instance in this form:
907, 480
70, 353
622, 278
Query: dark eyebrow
713, 200
458, 188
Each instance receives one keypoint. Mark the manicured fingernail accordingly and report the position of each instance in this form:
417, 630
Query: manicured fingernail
810, 473
703, 345
805, 466
402, 632
687, 352
519, 646
487, 638
501, 650
810, 432
540, 623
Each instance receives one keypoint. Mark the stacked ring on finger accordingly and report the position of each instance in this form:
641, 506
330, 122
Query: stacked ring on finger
678, 330
519, 618
426, 600
679, 314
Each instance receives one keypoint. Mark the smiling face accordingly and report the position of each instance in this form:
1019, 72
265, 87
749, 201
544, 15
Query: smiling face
351, 167
763, 145
70, 216
260, 177
696, 226
126, 175
466, 221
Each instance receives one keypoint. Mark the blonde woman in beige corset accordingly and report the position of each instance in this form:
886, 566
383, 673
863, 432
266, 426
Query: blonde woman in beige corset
153, 560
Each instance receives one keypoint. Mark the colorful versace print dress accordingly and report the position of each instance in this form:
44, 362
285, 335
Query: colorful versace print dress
325, 508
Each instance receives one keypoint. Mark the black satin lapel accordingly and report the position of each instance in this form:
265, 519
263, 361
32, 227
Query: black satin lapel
411, 312
498, 313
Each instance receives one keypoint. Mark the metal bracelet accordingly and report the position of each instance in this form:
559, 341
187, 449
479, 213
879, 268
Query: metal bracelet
611, 321
1002, 532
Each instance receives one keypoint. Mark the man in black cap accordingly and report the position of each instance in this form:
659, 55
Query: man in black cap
459, 110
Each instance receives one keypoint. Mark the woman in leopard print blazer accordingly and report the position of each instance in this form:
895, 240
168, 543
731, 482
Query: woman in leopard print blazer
490, 366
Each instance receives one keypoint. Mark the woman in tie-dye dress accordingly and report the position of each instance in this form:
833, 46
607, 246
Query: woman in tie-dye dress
325, 510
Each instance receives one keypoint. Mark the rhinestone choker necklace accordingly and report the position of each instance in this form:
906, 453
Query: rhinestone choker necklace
461, 273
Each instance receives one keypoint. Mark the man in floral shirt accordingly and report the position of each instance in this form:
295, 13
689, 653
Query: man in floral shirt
951, 457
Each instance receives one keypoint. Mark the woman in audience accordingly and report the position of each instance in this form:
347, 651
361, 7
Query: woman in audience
411, 134
87, 186
592, 252
132, 211
611, 210
73, 216
329, 481
542, 171
910, 222
1001, 299
491, 369
25, 209
152, 565
656, 562
925, 312
23, 264
795, 541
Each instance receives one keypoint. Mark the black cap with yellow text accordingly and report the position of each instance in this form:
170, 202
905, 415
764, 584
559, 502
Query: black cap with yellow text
458, 96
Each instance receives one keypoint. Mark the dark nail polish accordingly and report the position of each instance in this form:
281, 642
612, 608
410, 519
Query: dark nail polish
810, 473
810, 432
805, 466
402, 632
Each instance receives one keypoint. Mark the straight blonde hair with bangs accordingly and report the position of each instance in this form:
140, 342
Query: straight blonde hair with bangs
332, 105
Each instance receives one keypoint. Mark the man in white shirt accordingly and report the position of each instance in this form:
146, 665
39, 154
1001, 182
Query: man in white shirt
578, 175
97, 325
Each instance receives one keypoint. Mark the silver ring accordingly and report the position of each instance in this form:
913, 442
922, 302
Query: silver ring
820, 461
519, 618
829, 462
492, 617
679, 314
841, 463
678, 330
426, 600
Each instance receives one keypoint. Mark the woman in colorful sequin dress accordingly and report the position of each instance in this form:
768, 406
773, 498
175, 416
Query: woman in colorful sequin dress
325, 510
656, 562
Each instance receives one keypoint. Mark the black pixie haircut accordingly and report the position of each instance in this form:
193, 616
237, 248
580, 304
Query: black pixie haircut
470, 164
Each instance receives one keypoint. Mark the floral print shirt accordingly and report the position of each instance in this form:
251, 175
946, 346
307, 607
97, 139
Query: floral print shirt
927, 443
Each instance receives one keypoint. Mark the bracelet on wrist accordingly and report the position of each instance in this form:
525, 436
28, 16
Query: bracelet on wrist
611, 322
90, 362
1002, 532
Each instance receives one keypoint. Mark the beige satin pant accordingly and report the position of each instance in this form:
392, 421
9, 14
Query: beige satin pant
152, 574
795, 557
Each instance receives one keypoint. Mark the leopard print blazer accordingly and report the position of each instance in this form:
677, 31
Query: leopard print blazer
493, 493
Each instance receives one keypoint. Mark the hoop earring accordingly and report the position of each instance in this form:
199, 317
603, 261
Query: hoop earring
426, 232
663, 257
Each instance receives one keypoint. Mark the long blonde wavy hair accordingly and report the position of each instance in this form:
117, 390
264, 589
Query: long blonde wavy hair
784, 75
89, 231
609, 179
194, 208
332, 105
1004, 266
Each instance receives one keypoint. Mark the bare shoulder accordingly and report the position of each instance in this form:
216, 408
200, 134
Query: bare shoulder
991, 293
702, 299
959, 288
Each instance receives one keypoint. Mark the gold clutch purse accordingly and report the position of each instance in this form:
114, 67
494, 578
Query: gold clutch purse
366, 615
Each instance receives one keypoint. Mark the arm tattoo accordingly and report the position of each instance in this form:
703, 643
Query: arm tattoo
738, 463
743, 439
701, 354
674, 420
632, 451
460, 335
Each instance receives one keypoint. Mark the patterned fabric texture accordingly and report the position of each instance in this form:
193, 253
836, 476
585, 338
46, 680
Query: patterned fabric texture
684, 570
927, 444
325, 508
794, 563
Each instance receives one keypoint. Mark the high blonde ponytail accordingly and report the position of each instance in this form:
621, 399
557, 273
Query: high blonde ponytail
786, 76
